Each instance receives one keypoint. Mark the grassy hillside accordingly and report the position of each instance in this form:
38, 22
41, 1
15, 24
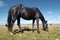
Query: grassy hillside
52, 34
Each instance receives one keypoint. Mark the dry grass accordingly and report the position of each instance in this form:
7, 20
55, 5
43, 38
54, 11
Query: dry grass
52, 34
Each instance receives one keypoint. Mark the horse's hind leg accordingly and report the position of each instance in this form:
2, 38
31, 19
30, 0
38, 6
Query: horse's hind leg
11, 26
37, 20
18, 23
33, 25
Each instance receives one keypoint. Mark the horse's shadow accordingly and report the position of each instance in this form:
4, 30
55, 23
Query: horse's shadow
25, 29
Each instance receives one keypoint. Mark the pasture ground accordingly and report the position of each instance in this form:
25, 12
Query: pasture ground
52, 34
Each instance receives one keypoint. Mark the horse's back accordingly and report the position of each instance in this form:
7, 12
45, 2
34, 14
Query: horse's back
29, 13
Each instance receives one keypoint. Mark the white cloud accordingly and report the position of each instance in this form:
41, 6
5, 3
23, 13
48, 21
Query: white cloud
49, 12
2, 3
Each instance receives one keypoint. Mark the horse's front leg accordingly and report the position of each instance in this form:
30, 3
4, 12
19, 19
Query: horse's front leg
18, 23
33, 25
37, 20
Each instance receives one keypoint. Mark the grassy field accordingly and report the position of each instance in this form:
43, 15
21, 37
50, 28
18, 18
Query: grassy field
52, 34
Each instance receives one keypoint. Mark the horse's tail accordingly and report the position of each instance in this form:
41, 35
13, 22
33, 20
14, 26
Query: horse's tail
9, 19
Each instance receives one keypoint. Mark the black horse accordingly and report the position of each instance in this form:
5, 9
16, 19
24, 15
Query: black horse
20, 11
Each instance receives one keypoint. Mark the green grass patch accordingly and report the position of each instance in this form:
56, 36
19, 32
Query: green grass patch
52, 34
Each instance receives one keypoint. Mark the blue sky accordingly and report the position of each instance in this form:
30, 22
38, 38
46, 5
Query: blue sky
49, 8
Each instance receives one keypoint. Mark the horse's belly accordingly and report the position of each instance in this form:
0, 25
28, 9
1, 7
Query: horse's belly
27, 18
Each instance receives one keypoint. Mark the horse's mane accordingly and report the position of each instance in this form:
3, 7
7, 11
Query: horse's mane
40, 13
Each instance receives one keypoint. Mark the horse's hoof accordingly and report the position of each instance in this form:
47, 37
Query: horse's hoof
21, 31
38, 32
44, 29
47, 30
11, 33
32, 30
21, 34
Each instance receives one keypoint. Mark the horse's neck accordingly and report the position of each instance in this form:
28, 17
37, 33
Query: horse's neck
41, 16
42, 19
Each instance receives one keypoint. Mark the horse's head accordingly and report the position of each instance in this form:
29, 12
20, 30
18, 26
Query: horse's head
45, 26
